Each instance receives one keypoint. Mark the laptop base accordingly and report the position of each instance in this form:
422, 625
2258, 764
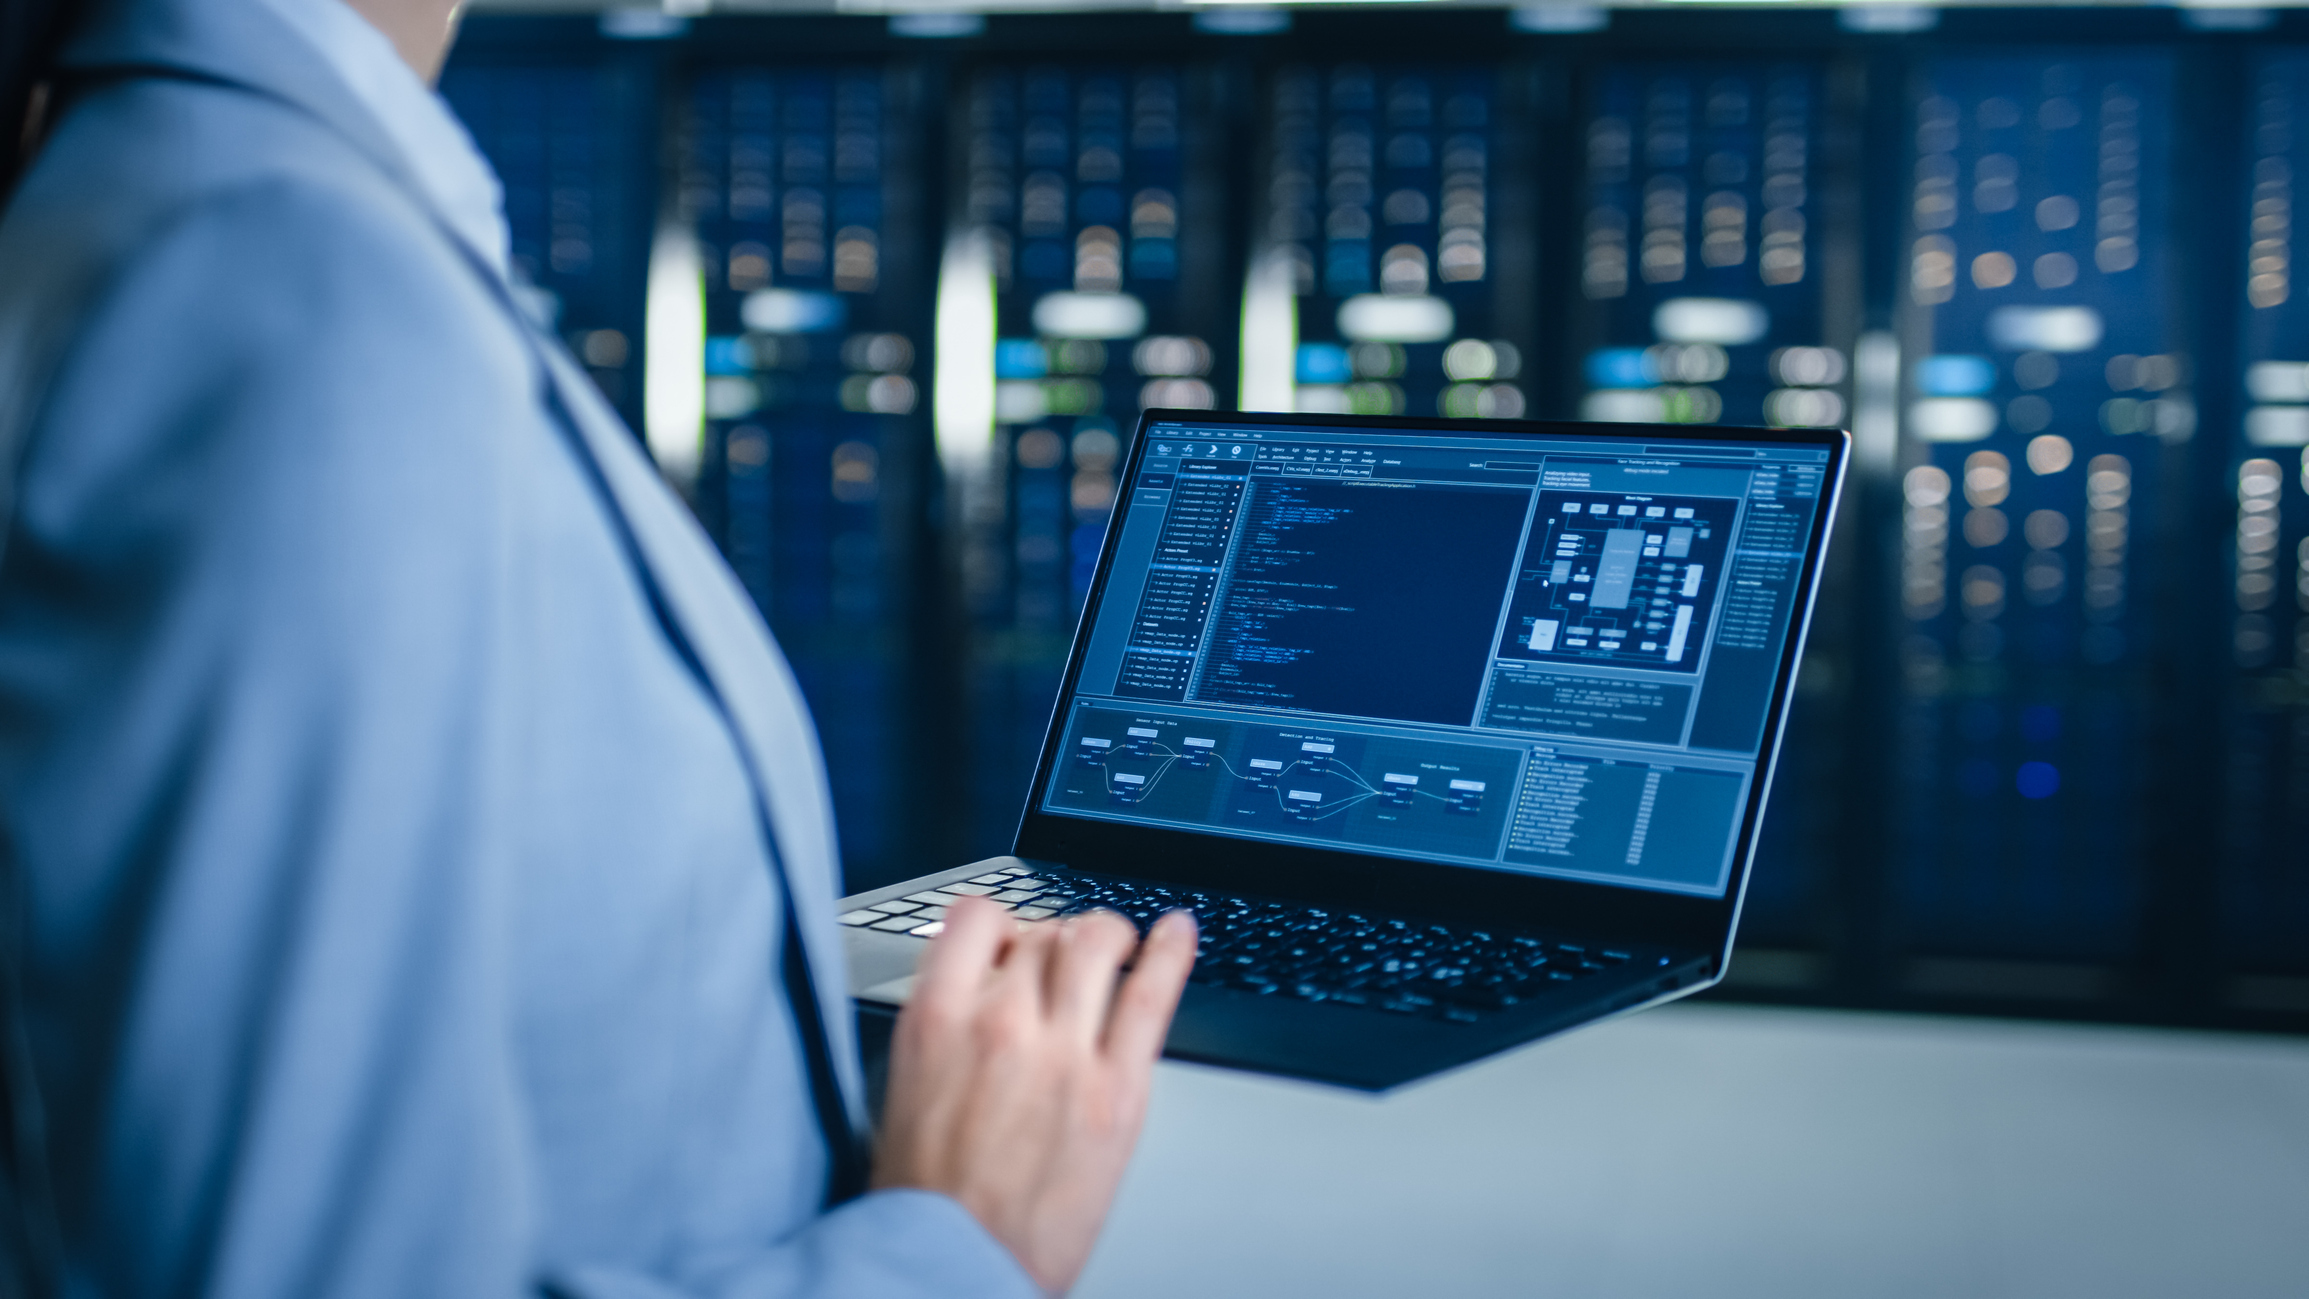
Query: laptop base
1356, 1047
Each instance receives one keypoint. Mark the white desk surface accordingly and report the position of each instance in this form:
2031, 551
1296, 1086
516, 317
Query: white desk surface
1726, 1151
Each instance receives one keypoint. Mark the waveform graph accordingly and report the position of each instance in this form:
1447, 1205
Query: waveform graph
1143, 764
1450, 799
1296, 780
1368, 791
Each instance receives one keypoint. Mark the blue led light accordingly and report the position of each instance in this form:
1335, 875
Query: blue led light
1621, 367
2037, 779
1020, 358
1323, 363
1955, 376
729, 356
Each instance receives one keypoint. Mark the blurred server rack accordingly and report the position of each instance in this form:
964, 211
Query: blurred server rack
1711, 288
1375, 283
2262, 922
1094, 195
2047, 389
568, 122
800, 182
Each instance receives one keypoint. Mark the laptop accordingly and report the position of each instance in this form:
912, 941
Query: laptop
1453, 734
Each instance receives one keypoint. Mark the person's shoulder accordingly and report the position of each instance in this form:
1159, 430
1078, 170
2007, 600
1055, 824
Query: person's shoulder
268, 192
129, 155
307, 321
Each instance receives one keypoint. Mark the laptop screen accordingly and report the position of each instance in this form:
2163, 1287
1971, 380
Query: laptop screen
1543, 654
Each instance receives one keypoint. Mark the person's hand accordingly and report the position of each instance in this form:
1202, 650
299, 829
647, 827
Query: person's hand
1019, 1072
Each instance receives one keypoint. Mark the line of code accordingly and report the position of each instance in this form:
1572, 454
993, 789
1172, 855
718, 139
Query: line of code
1364, 600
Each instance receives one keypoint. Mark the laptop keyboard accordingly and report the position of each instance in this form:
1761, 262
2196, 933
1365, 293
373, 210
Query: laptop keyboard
1453, 973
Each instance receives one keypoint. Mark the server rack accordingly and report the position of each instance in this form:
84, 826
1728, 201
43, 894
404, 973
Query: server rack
1379, 224
2048, 386
1711, 288
2147, 660
2262, 924
1096, 193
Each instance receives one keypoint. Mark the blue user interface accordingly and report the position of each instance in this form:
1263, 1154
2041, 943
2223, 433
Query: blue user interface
1546, 655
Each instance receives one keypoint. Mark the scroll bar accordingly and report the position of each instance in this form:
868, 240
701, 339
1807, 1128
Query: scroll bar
1681, 631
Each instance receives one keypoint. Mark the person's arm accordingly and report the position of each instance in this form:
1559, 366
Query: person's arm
1018, 1082
1020, 1069
266, 778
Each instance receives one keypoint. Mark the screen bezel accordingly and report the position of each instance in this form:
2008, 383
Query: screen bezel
1340, 878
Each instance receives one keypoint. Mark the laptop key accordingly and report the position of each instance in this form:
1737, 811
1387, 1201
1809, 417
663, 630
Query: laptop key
931, 930
966, 890
997, 880
895, 924
931, 898
860, 917
1351, 959
897, 907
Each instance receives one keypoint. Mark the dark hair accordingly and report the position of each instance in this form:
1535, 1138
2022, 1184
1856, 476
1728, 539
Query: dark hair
32, 34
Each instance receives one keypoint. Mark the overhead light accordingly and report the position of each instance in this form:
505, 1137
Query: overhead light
1887, 19
1559, 18
2217, 18
1231, 20
639, 23
937, 25
1389, 318
1067, 314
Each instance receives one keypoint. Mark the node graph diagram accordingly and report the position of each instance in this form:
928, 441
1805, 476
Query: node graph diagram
1619, 578
1295, 781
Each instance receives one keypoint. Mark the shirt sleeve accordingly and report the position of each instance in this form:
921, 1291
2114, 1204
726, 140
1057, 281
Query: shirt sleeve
261, 787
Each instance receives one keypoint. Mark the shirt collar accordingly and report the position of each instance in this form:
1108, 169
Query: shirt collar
324, 57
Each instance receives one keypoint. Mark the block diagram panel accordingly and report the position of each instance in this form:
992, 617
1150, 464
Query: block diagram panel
1352, 788
1619, 578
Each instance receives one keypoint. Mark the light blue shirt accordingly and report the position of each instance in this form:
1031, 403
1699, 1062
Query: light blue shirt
394, 783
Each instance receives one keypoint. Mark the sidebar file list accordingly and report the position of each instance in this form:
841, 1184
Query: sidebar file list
1205, 497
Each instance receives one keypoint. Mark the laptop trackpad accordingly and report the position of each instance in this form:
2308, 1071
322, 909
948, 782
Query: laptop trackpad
882, 965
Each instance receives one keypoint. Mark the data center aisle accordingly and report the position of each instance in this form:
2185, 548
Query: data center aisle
1734, 1151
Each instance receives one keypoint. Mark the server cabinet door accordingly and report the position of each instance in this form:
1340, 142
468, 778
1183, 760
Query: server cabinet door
2262, 923
1094, 198
1373, 288
2047, 390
